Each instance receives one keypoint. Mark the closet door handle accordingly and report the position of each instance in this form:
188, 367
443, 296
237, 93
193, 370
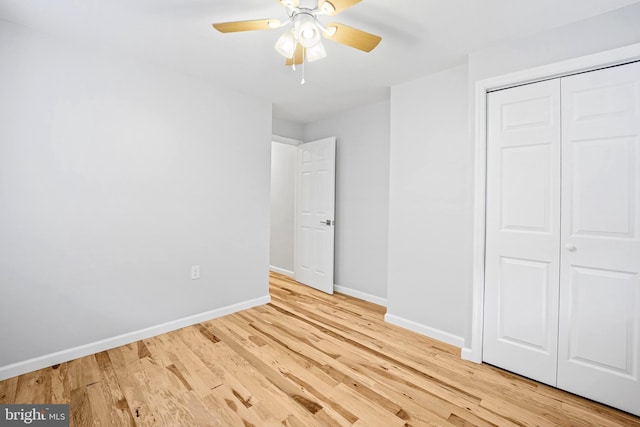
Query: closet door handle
570, 247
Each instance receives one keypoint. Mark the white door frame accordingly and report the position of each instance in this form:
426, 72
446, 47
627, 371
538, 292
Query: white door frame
631, 53
293, 142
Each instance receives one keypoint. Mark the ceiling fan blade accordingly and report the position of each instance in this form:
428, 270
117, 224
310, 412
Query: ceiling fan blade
232, 27
298, 56
338, 5
353, 37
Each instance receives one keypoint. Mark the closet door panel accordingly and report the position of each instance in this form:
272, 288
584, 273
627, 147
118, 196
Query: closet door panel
523, 233
599, 330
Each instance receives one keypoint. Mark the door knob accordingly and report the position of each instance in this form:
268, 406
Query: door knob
570, 247
327, 222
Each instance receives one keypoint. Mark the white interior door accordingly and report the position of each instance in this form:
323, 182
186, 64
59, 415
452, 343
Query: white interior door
523, 230
315, 208
599, 337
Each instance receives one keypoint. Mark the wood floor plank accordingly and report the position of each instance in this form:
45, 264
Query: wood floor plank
305, 359
131, 389
112, 397
221, 414
8, 389
80, 408
166, 402
101, 408
235, 406
300, 398
60, 387
31, 388
259, 389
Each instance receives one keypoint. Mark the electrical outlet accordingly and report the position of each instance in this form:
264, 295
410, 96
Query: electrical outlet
195, 272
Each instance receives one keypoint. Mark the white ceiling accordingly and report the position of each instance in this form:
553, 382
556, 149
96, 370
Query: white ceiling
418, 37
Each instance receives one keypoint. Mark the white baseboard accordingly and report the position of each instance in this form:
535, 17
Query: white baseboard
281, 271
428, 331
467, 354
45, 361
360, 295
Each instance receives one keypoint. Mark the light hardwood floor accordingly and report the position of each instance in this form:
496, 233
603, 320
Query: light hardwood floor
306, 359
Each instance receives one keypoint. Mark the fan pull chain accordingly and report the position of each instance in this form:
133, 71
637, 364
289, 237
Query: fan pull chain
303, 67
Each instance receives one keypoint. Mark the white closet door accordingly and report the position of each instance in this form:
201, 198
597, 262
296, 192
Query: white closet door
523, 230
599, 336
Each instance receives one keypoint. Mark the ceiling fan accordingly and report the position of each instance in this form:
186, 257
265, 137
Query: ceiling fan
302, 40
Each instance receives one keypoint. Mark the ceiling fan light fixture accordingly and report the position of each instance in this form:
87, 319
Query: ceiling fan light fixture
302, 40
327, 8
308, 32
286, 44
316, 52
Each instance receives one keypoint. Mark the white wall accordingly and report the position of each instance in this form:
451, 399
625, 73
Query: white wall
608, 31
431, 172
431, 186
362, 194
283, 193
288, 129
115, 178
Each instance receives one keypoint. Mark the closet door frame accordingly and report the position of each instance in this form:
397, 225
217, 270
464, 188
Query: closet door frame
473, 351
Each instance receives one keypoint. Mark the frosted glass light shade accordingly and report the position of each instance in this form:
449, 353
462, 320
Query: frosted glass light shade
308, 32
286, 44
316, 52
